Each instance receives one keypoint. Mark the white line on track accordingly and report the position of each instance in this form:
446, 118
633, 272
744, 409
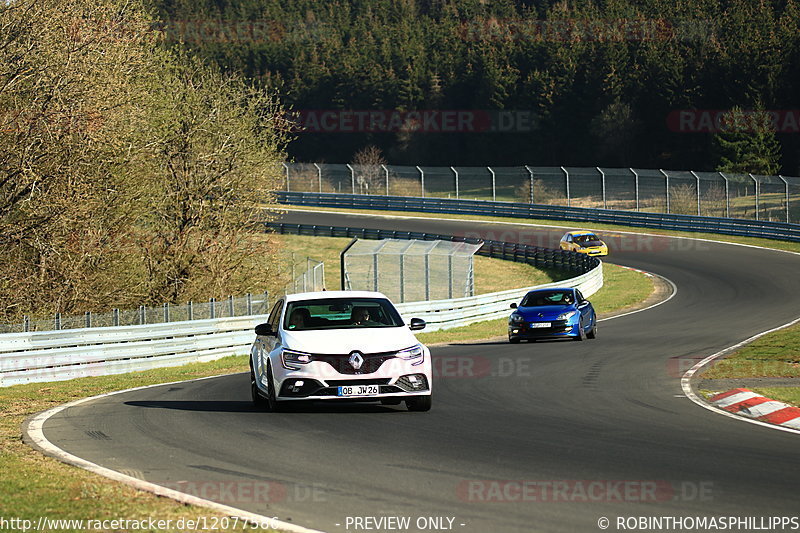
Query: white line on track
34, 429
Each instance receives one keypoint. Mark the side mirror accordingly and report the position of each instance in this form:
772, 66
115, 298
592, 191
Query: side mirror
264, 330
583, 304
416, 324
514, 305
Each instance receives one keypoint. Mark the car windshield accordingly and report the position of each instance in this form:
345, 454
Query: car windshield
341, 313
582, 239
535, 299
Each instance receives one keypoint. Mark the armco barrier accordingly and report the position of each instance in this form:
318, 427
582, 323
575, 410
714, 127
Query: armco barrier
66, 354
727, 226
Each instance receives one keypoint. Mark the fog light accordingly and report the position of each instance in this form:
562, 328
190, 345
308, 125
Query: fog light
297, 385
514, 331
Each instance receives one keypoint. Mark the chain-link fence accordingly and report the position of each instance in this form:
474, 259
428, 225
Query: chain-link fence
410, 270
311, 280
249, 304
716, 194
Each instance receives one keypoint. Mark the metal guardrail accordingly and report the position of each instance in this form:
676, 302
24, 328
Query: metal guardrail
67, 354
690, 223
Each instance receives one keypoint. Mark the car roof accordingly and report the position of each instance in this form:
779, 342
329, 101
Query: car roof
320, 295
582, 232
550, 289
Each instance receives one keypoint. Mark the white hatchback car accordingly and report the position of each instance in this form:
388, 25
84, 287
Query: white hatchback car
339, 345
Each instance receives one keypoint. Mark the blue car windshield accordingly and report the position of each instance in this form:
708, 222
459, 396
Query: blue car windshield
556, 297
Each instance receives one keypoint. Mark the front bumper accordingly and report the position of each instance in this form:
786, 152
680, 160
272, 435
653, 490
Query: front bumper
558, 328
320, 380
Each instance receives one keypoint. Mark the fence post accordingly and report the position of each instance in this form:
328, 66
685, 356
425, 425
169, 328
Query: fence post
636, 185
666, 187
319, 175
352, 177
212, 307
698, 190
566, 178
456, 174
727, 196
786, 185
115, 316
142, 317
494, 185
422, 180
166, 312
190, 310
427, 276
57, 321
603, 184
26, 323
450, 276
386, 173
530, 173
249, 298
88, 318
266, 300
755, 181
286, 168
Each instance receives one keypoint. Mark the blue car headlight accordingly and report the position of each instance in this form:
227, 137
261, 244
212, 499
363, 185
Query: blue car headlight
516, 318
567, 315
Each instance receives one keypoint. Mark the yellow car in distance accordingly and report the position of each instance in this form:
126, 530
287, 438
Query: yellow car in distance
584, 242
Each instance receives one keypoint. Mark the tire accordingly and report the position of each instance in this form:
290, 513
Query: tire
258, 401
593, 332
419, 403
514, 340
272, 403
391, 401
581, 334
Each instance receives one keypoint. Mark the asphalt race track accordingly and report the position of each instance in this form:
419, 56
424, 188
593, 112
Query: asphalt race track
549, 436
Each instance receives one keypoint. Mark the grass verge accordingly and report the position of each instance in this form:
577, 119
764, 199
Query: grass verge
36, 486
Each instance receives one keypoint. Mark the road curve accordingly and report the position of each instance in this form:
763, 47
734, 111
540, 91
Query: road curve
593, 429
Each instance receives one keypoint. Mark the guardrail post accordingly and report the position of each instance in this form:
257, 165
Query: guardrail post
698, 190
755, 181
166, 312
727, 196
786, 185
319, 176
190, 309
212, 307
115, 316
530, 173
286, 168
456, 174
386, 173
88, 318
494, 185
422, 180
352, 177
566, 178
666, 187
26, 323
603, 184
57, 321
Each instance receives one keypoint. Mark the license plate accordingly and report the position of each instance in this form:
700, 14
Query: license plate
540, 324
359, 390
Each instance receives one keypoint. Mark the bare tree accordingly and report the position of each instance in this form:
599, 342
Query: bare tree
370, 177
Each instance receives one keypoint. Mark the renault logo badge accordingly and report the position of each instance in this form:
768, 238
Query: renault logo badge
356, 360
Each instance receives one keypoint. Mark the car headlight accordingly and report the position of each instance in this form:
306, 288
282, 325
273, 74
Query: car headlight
567, 315
516, 318
291, 359
415, 353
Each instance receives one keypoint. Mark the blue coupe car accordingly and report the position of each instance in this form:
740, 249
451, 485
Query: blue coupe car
552, 314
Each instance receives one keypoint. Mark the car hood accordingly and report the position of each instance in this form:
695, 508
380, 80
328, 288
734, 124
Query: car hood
343, 341
592, 244
549, 312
